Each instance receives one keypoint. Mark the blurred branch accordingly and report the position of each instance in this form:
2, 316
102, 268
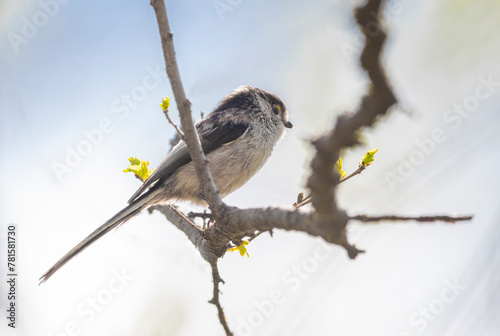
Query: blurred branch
440, 218
354, 173
139, 178
324, 179
204, 215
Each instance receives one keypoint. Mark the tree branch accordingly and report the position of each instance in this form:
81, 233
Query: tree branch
327, 220
376, 103
207, 185
439, 218
324, 179
204, 215
180, 134
215, 300
308, 199
354, 173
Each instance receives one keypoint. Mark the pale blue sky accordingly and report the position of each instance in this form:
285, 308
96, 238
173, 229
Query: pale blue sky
99, 63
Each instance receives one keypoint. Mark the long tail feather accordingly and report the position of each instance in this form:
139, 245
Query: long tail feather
120, 218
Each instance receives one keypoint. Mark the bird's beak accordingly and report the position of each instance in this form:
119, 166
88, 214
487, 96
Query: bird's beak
288, 124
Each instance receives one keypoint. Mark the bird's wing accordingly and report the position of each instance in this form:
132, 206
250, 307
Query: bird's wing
214, 132
219, 129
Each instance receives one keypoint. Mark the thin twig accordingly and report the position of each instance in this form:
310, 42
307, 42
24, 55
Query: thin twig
301, 200
181, 134
203, 215
139, 178
180, 214
440, 218
306, 200
215, 300
354, 173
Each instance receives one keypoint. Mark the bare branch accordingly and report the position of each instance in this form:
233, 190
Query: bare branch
440, 218
323, 178
204, 215
179, 132
207, 185
187, 220
215, 300
248, 221
139, 178
354, 173
308, 199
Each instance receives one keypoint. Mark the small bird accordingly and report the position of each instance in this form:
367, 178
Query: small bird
237, 137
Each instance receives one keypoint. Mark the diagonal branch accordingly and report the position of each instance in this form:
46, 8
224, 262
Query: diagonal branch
209, 190
180, 134
308, 199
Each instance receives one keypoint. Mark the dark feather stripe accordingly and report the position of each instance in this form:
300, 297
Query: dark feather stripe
221, 135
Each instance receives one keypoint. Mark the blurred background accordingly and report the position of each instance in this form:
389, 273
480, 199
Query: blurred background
80, 85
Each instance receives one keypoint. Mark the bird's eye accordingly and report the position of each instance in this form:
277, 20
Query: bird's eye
276, 109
